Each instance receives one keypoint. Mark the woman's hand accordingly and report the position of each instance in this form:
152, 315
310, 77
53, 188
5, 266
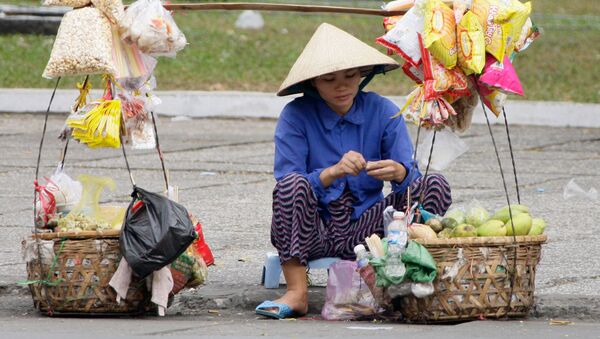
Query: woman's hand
350, 164
387, 170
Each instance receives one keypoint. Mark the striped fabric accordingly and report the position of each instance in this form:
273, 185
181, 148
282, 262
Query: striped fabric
297, 229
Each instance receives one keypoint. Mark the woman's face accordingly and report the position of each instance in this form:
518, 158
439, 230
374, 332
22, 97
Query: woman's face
338, 89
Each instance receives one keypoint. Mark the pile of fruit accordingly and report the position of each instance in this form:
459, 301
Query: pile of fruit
476, 221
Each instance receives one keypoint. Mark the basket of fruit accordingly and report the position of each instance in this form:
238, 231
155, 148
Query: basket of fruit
485, 267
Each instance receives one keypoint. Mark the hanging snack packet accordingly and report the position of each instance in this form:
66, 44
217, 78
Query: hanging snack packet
439, 33
500, 76
149, 25
439, 80
413, 106
493, 99
471, 45
403, 37
413, 72
492, 14
515, 24
529, 33
464, 108
83, 45
132, 67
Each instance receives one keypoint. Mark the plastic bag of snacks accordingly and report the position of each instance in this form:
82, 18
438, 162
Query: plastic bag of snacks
149, 25
113, 9
471, 45
82, 46
403, 37
440, 81
439, 33
493, 99
68, 3
501, 76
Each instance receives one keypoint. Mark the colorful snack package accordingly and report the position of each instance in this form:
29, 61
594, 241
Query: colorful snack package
493, 99
515, 24
471, 45
529, 33
413, 72
439, 33
492, 14
500, 76
439, 80
413, 106
403, 37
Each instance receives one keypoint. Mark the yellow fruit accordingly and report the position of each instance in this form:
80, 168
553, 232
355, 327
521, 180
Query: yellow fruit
476, 216
463, 231
538, 225
449, 223
491, 228
445, 233
522, 224
503, 214
456, 214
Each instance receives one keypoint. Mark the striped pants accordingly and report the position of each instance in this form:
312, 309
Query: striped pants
299, 231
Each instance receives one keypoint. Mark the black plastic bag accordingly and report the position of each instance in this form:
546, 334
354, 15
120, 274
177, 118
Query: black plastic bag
155, 232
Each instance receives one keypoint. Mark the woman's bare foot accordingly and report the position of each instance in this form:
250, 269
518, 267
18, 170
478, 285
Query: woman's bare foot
296, 300
296, 296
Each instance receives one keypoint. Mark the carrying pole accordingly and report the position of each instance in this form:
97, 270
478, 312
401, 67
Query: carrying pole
231, 6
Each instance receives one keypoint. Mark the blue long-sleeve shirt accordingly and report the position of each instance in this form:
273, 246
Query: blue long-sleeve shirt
310, 137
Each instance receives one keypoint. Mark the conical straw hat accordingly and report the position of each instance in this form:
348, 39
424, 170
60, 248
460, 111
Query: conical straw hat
329, 50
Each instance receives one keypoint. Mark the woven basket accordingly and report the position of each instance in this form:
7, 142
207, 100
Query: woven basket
481, 287
85, 263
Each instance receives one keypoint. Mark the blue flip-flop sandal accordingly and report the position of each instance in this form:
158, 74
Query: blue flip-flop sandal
283, 310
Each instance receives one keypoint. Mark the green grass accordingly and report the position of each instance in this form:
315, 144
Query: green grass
561, 65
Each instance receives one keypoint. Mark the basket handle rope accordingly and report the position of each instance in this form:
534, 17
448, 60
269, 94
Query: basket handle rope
513, 271
35, 192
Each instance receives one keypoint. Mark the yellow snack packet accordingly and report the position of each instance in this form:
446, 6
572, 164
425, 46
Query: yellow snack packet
515, 25
471, 44
492, 15
439, 33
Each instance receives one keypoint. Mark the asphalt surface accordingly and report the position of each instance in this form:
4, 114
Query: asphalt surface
223, 168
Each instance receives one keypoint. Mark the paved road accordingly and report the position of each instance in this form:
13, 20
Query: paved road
224, 170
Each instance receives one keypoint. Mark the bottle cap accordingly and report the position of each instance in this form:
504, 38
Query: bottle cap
359, 248
398, 215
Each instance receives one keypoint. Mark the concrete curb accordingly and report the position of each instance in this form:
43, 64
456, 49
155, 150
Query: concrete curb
243, 297
201, 104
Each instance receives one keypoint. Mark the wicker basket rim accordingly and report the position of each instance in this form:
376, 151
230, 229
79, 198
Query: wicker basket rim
482, 241
99, 234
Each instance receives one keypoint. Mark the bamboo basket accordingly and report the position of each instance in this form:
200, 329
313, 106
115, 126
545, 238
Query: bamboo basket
484, 285
78, 278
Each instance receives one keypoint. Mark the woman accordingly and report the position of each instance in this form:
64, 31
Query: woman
334, 148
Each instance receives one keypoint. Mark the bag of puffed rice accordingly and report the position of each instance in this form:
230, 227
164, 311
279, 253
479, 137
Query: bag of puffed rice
68, 3
82, 46
113, 9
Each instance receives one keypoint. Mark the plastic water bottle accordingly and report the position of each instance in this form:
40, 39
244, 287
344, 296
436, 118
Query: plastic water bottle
362, 256
397, 238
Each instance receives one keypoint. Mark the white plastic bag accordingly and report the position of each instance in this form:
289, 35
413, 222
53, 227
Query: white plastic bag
149, 25
448, 146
